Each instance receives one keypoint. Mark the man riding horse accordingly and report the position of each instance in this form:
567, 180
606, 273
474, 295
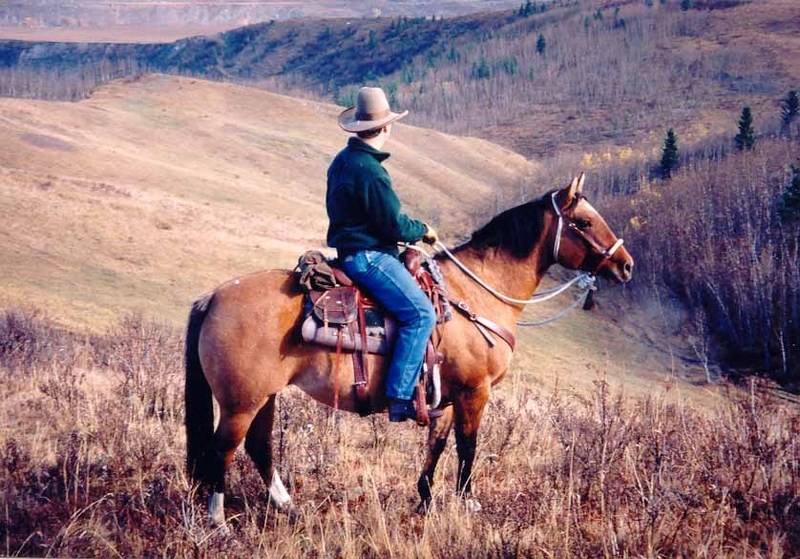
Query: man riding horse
366, 223
242, 347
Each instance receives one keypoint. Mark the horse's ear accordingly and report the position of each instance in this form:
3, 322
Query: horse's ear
574, 189
571, 191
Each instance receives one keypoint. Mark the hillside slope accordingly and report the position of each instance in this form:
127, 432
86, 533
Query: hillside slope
590, 80
176, 182
153, 191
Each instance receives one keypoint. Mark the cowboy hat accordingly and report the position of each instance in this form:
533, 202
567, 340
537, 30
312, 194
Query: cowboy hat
371, 111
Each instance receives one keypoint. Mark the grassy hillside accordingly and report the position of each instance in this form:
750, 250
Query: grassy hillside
572, 85
605, 83
152, 191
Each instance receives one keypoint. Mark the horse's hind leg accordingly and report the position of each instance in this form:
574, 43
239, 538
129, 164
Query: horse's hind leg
227, 438
258, 445
437, 440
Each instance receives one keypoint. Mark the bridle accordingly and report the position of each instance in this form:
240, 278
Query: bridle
584, 281
606, 253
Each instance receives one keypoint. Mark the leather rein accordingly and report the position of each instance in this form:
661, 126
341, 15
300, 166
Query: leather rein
484, 325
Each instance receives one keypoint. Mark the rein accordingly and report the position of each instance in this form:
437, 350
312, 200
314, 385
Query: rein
585, 281
537, 298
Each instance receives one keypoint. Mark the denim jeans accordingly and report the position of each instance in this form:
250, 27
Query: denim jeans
387, 281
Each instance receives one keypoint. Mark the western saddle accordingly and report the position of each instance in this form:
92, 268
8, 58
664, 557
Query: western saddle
339, 315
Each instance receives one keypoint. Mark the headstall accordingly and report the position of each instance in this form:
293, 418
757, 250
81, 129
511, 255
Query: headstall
606, 252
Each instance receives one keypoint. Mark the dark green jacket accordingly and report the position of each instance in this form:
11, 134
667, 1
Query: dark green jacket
363, 209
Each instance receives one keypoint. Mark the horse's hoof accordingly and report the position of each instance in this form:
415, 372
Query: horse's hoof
221, 532
473, 505
292, 514
423, 507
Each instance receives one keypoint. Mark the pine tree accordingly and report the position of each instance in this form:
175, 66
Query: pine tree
481, 69
746, 138
789, 204
669, 155
790, 109
541, 45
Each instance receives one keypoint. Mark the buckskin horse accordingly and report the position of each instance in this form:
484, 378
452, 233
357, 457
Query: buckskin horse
242, 347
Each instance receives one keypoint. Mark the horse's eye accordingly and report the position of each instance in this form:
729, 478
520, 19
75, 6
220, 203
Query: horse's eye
583, 223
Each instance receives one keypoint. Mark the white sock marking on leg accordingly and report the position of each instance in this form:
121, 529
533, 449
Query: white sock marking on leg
216, 509
277, 491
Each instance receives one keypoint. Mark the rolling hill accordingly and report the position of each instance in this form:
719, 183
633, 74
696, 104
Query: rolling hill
603, 85
154, 190
171, 181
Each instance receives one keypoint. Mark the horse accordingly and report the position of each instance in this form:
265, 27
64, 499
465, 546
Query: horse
242, 346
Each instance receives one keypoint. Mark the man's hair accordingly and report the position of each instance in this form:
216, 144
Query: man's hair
367, 134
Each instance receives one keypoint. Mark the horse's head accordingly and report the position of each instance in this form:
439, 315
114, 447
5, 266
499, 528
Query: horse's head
583, 240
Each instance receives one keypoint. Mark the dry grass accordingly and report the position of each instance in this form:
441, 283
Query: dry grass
156, 190
91, 454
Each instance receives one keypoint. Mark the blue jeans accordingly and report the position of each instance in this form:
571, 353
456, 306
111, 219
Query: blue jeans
387, 281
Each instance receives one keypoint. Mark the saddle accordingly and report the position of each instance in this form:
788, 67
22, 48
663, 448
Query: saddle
339, 315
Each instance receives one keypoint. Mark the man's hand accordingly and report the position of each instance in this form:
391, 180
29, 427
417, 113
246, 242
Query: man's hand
430, 236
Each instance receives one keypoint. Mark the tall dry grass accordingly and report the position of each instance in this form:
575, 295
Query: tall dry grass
91, 464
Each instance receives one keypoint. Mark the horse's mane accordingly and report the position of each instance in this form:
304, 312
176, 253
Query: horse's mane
515, 230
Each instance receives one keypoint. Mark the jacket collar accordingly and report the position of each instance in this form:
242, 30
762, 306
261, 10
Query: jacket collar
358, 144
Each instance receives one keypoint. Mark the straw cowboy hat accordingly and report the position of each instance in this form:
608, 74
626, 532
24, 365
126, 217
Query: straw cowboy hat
371, 111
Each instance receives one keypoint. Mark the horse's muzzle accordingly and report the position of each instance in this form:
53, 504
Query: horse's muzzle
619, 268
623, 271
627, 271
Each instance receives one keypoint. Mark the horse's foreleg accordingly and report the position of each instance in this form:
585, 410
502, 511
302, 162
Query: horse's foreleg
469, 406
258, 445
227, 438
437, 440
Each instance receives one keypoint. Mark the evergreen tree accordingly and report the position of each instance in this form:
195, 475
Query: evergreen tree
789, 204
669, 155
481, 69
746, 138
527, 9
541, 45
790, 109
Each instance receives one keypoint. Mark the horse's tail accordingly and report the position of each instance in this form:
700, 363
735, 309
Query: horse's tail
199, 410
